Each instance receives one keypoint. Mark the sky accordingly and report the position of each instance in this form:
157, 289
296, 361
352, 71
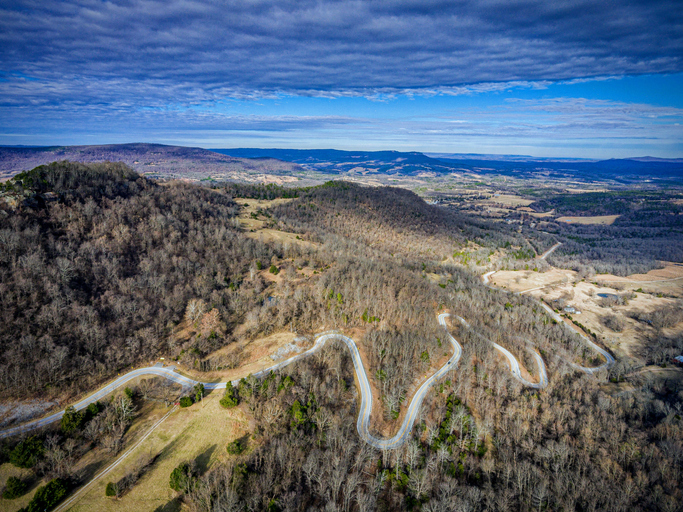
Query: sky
582, 79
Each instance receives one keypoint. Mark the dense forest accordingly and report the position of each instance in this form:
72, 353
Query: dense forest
393, 219
101, 269
649, 228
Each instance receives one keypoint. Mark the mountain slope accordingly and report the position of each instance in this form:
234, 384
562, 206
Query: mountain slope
154, 160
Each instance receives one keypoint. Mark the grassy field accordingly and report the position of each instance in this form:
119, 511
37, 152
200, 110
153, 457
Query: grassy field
7, 470
605, 220
667, 281
508, 200
656, 289
198, 433
254, 223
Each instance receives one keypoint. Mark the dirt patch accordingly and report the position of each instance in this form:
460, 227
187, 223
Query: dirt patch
21, 412
528, 280
543, 215
657, 372
251, 356
604, 220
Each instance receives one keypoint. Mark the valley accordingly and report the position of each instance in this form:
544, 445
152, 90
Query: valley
353, 323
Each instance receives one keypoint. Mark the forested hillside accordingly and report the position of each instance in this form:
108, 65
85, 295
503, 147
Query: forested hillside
98, 268
648, 228
101, 269
393, 219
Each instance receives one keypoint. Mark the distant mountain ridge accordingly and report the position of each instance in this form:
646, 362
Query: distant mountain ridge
284, 165
154, 160
413, 163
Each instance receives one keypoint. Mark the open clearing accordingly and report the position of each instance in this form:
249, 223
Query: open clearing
583, 296
605, 220
200, 433
508, 200
7, 470
542, 215
523, 280
251, 206
665, 281
253, 223
251, 356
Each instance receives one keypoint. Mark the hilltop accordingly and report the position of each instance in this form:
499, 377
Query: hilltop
155, 161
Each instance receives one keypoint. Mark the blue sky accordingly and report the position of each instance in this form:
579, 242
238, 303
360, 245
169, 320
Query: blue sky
562, 78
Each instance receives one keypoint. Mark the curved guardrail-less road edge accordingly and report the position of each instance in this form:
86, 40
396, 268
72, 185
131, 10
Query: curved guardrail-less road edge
514, 364
609, 360
366, 392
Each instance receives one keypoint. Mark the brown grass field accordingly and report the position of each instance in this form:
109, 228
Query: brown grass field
605, 220
660, 288
199, 433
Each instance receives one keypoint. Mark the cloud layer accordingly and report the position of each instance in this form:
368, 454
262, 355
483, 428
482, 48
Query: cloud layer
127, 53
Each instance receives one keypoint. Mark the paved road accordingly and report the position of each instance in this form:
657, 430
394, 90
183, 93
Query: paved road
366, 393
609, 360
167, 373
415, 403
549, 251
514, 364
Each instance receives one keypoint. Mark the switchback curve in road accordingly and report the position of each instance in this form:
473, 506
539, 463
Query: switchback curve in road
514, 364
366, 393
609, 359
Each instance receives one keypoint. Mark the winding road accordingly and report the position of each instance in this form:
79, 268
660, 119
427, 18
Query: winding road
609, 360
364, 385
366, 392
514, 364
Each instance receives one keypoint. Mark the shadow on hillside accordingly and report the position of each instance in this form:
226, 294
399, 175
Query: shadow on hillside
171, 506
202, 460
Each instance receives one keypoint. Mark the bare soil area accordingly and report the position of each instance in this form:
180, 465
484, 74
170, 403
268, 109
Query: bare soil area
251, 356
524, 280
